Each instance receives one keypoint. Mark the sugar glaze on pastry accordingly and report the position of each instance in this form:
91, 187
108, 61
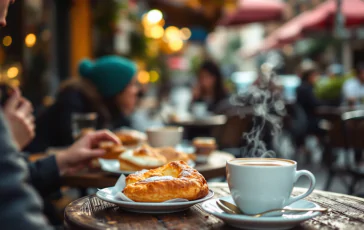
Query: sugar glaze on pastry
173, 180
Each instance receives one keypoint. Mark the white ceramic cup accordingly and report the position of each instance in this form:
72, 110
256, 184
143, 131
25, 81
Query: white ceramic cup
261, 184
199, 109
164, 136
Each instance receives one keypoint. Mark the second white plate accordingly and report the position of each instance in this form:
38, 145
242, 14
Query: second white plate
113, 166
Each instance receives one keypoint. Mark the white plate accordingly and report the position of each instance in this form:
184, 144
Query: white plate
144, 207
113, 166
286, 221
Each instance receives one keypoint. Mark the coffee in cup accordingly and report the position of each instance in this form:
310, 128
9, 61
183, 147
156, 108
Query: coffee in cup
261, 184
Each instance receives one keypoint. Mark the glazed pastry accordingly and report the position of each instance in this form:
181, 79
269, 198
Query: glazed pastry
173, 180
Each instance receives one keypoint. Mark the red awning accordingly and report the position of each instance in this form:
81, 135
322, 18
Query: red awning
323, 16
287, 33
292, 30
254, 11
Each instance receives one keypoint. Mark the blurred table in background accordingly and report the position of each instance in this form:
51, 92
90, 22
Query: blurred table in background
199, 127
333, 116
335, 139
215, 167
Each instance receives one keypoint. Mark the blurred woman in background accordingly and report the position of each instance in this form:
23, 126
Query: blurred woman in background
107, 87
210, 86
308, 101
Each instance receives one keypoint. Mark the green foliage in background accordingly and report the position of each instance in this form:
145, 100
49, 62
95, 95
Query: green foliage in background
331, 89
105, 15
138, 45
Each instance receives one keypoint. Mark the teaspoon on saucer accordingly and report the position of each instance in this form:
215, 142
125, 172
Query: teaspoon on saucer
233, 209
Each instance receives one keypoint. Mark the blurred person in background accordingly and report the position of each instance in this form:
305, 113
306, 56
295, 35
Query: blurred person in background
307, 100
330, 87
21, 207
107, 86
210, 86
353, 89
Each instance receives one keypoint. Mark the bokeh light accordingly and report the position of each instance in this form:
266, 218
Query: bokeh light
13, 72
15, 83
148, 32
7, 40
156, 32
154, 76
145, 21
172, 33
175, 45
143, 77
154, 16
30, 40
185, 33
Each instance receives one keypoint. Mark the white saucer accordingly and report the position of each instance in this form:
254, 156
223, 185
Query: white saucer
144, 207
113, 166
286, 221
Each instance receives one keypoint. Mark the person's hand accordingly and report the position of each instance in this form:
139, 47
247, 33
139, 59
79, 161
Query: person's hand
83, 151
18, 113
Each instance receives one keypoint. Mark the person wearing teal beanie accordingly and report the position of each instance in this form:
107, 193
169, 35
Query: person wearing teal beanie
106, 86
110, 74
114, 78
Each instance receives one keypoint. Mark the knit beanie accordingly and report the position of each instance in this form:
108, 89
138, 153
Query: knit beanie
110, 74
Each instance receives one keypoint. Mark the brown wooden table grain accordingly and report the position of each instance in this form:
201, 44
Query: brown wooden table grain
215, 167
345, 212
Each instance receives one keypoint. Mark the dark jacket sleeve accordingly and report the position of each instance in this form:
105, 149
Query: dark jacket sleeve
44, 176
53, 127
20, 206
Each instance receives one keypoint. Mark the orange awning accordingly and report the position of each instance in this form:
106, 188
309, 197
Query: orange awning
254, 11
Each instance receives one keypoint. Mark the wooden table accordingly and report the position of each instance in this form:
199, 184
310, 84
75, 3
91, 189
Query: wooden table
215, 167
200, 127
345, 212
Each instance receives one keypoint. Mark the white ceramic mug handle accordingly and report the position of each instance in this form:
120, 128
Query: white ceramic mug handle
312, 179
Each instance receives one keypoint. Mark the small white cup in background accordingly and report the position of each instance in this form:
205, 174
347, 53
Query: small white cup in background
164, 136
199, 109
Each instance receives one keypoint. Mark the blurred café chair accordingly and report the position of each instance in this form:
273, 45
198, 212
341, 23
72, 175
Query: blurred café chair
296, 123
230, 135
353, 126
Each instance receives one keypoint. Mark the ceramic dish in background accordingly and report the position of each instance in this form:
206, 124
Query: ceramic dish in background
169, 136
113, 166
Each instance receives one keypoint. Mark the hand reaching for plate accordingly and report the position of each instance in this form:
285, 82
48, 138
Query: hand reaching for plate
83, 151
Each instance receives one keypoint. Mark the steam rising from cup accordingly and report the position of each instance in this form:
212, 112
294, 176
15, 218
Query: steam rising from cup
267, 110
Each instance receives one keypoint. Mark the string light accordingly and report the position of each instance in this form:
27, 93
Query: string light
7, 40
185, 33
13, 72
172, 33
156, 32
30, 40
176, 45
154, 16
143, 77
154, 76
